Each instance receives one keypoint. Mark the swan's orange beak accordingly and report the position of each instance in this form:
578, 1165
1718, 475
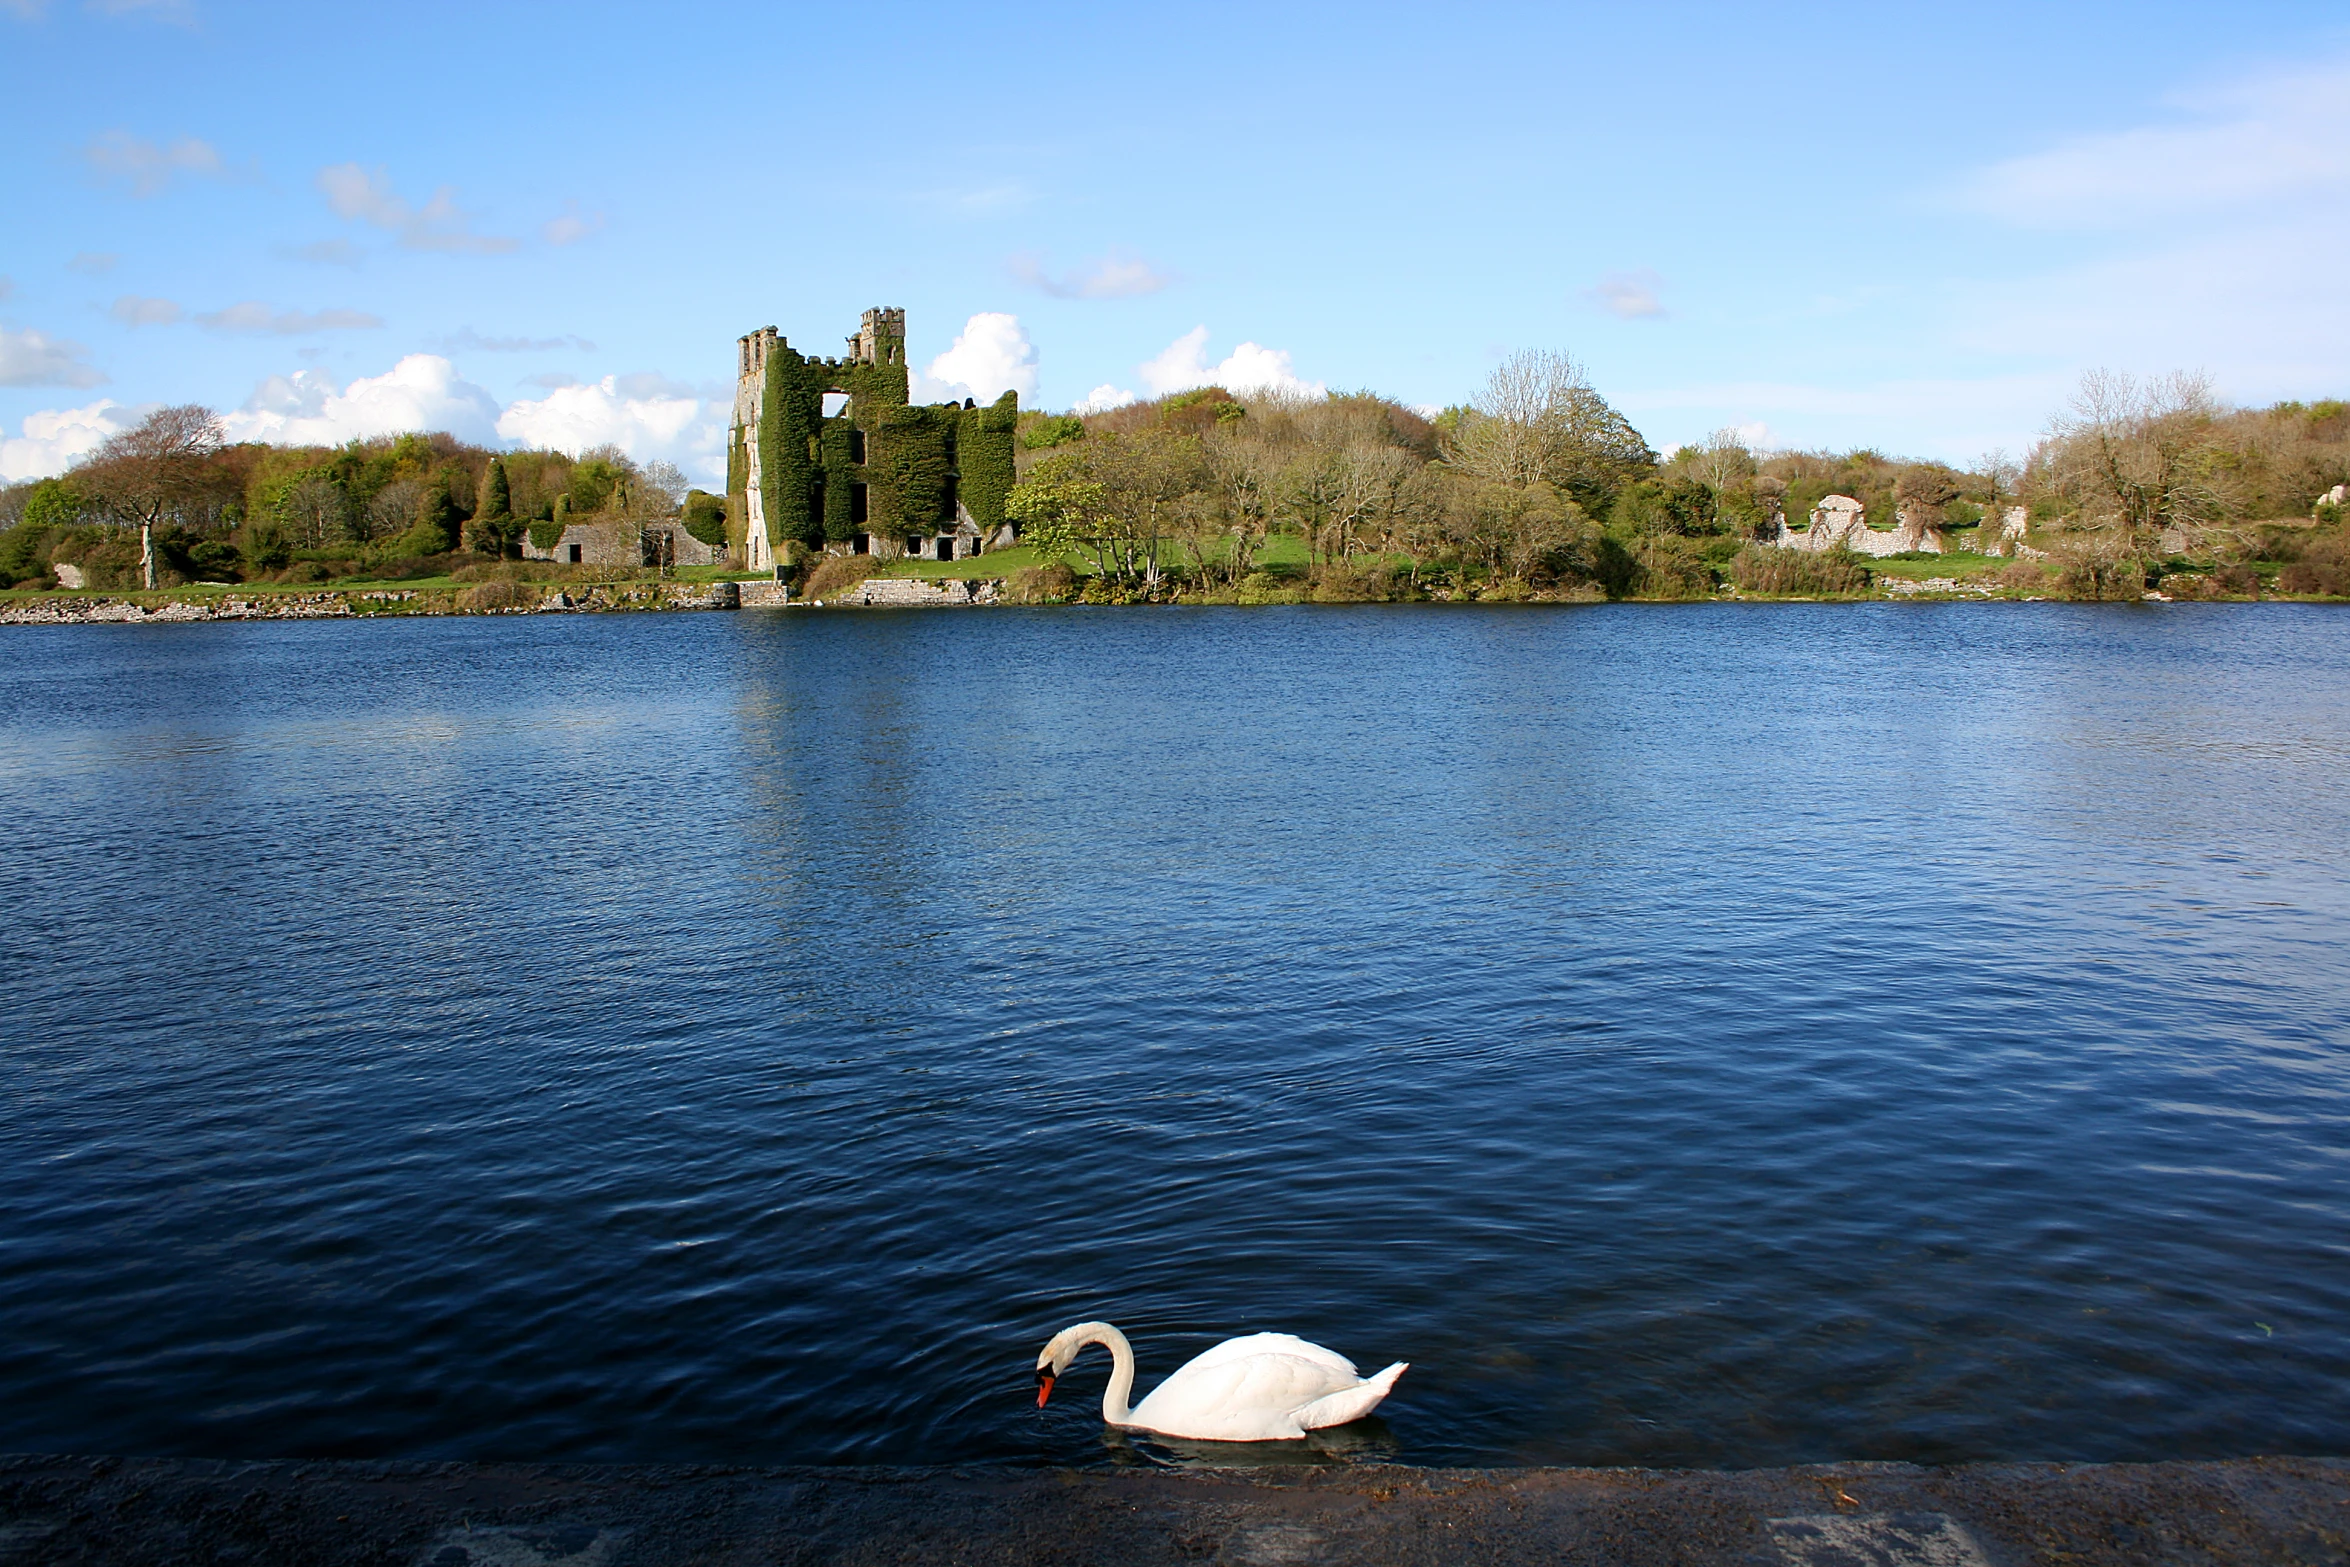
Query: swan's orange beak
1044, 1385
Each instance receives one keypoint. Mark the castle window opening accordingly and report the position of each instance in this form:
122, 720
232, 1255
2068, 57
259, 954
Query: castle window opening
835, 404
946, 505
856, 446
914, 545
575, 554
860, 544
857, 503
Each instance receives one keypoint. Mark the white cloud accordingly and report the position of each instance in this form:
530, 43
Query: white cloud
1251, 367
644, 415
132, 310
254, 318
53, 438
1114, 276
468, 338
330, 253
990, 356
366, 196
1630, 296
1947, 417
34, 358
2282, 136
148, 168
1103, 398
421, 392
571, 225
2223, 232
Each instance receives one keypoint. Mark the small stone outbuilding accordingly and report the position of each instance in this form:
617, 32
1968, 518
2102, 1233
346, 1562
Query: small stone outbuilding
626, 543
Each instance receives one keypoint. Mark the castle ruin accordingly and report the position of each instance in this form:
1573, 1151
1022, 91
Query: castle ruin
829, 455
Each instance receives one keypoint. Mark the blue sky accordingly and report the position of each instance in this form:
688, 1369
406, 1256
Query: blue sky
1827, 225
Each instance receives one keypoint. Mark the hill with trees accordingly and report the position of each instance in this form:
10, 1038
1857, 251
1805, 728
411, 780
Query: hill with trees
1536, 489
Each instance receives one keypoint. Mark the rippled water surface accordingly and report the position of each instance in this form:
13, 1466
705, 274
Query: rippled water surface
1716, 1035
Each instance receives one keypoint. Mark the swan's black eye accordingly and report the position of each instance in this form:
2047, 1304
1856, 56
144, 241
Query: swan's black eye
1044, 1376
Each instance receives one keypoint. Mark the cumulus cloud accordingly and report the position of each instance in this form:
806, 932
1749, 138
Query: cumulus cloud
34, 358
147, 168
1103, 398
1114, 276
1251, 367
253, 318
92, 263
468, 339
50, 440
366, 196
645, 415
1629, 296
2243, 145
421, 392
133, 310
990, 356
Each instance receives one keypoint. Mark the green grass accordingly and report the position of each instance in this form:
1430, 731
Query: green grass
1953, 564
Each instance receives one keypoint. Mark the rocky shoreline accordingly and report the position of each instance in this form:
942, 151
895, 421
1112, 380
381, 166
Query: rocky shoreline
130, 1512
61, 609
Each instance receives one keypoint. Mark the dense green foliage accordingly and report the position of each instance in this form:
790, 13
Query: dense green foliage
705, 517
914, 463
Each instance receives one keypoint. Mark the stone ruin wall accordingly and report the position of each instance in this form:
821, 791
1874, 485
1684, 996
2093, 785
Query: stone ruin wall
1841, 520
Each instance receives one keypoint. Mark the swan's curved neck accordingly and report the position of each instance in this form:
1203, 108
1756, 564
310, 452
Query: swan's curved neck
1114, 1410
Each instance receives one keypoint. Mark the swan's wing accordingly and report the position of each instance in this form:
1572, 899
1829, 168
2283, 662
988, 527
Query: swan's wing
1350, 1403
1249, 1399
1268, 1344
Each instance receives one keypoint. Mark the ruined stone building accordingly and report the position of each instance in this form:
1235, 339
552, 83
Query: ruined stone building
1841, 520
829, 454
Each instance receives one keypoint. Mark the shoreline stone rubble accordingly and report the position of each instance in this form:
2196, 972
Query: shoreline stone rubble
145, 1512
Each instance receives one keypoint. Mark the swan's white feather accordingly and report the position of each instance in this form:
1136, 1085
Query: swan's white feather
1270, 1344
1259, 1388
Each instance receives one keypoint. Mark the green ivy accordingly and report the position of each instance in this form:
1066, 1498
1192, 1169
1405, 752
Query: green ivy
985, 453
807, 467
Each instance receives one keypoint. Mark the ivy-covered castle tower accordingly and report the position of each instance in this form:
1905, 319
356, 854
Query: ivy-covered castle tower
829, 453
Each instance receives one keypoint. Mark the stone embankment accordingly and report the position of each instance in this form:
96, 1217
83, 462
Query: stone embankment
135, 1512
914, 593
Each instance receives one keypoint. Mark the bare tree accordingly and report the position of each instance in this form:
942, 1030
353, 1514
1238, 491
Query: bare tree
2137, 453
315, 508
391, 511
1538, 421
153, 469
664, 484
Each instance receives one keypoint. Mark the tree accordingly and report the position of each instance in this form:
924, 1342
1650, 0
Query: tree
2137, 453
1144, 477
1060, 512
153, 469
313, 508
1538, 421
493, 530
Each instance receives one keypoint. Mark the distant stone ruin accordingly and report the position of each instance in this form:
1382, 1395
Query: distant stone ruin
1839, 520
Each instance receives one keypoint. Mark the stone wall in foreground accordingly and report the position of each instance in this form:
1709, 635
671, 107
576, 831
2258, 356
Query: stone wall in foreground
146, 1512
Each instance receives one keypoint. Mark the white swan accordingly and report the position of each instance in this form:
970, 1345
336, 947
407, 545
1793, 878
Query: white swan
1266, 1387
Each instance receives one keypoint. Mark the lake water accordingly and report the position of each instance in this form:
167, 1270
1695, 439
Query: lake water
1719, 1035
